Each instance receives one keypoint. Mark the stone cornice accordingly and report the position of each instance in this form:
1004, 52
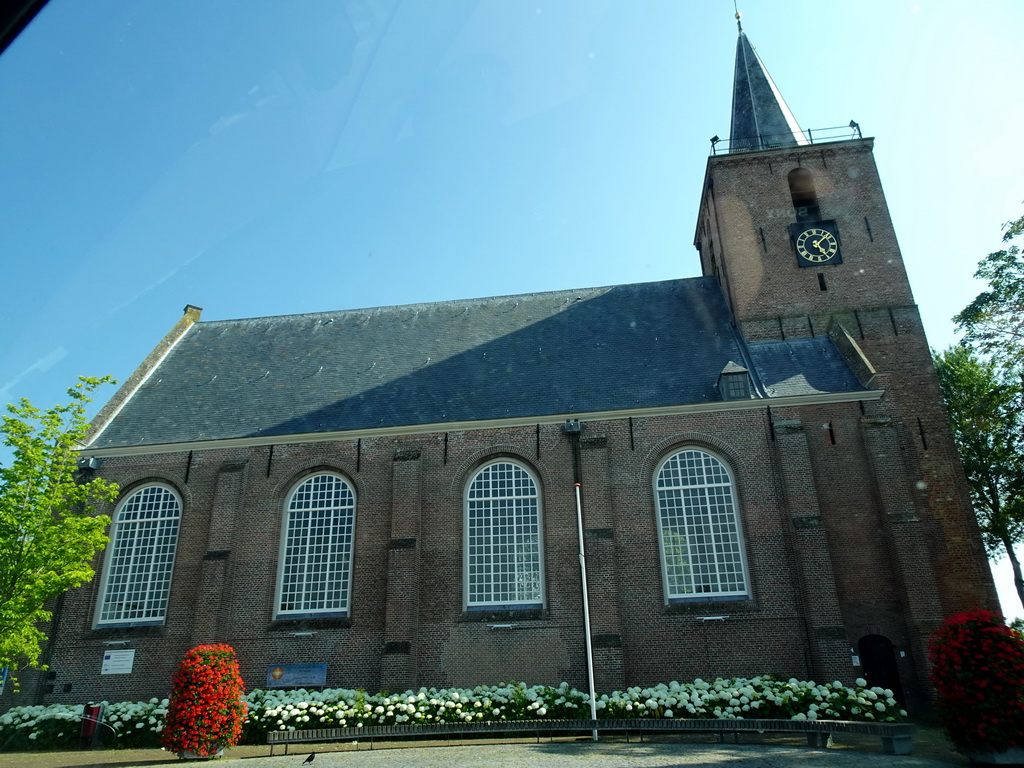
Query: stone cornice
460, 426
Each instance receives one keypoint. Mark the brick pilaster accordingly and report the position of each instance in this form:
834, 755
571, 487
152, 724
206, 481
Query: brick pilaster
398, 666
907, 529
826, 637
602, 565
210, 623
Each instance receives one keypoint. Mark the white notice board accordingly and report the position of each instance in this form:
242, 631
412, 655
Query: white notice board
118, 662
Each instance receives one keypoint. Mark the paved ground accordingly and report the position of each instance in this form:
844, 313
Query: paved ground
931, 751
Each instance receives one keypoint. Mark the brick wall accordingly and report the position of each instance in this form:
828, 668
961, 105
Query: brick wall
826, 565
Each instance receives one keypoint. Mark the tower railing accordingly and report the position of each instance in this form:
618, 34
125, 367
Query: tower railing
780, 140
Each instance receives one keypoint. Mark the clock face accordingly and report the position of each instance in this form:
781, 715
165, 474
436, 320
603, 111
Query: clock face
817, 245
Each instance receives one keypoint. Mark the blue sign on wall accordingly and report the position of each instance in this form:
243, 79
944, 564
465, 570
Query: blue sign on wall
296, 675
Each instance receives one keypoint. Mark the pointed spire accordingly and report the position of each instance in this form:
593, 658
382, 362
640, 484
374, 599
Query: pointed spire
760, 117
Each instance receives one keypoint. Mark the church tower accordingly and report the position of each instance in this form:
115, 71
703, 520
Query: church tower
795, 226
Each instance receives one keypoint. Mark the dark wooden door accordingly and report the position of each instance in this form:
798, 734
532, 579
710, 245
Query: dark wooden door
878, 659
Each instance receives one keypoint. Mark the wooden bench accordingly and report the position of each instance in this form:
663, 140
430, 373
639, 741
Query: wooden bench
896, 737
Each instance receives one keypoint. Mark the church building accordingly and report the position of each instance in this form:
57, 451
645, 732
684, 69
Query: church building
388, 498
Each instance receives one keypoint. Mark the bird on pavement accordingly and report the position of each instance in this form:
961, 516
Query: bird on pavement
309, 759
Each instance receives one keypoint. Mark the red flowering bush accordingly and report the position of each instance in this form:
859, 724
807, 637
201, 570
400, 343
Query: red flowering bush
206, 709
978, 674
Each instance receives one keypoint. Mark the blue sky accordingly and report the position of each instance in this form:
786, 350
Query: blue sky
259, 158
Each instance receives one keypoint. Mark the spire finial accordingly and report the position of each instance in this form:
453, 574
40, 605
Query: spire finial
739, 25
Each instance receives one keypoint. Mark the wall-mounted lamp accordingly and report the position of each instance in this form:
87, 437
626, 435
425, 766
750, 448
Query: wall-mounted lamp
302, 634
712, 618
115, 642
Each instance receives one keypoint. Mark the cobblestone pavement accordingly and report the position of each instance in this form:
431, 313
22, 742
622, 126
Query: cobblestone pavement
560, 755
555, 754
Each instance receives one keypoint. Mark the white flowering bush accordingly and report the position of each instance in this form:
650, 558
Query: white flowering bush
338, 707
38, 727
757, 697
136, 724
125, 724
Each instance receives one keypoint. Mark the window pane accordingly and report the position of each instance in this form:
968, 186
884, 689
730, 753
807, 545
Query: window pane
141, 558
737, 387
503, 561
316, 562
699, 530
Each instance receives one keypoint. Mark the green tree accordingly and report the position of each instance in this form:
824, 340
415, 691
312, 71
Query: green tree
48, 536
994, 322
984, 402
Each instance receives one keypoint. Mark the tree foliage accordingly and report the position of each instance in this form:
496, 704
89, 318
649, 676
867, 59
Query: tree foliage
994, 322
48, 536
984, 402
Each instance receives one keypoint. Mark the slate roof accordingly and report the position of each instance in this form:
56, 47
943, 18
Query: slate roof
563, 352
801, 367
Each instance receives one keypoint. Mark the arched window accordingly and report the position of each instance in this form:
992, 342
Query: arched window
503, 542
140, 560
316, 555
701, 550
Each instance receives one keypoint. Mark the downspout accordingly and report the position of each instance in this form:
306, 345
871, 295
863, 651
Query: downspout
573, 429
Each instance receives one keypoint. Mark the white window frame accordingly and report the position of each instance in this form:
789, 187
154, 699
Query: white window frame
473, 599
725, 560
131, 548
315, 595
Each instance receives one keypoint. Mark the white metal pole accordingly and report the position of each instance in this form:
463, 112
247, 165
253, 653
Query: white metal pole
586, 613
